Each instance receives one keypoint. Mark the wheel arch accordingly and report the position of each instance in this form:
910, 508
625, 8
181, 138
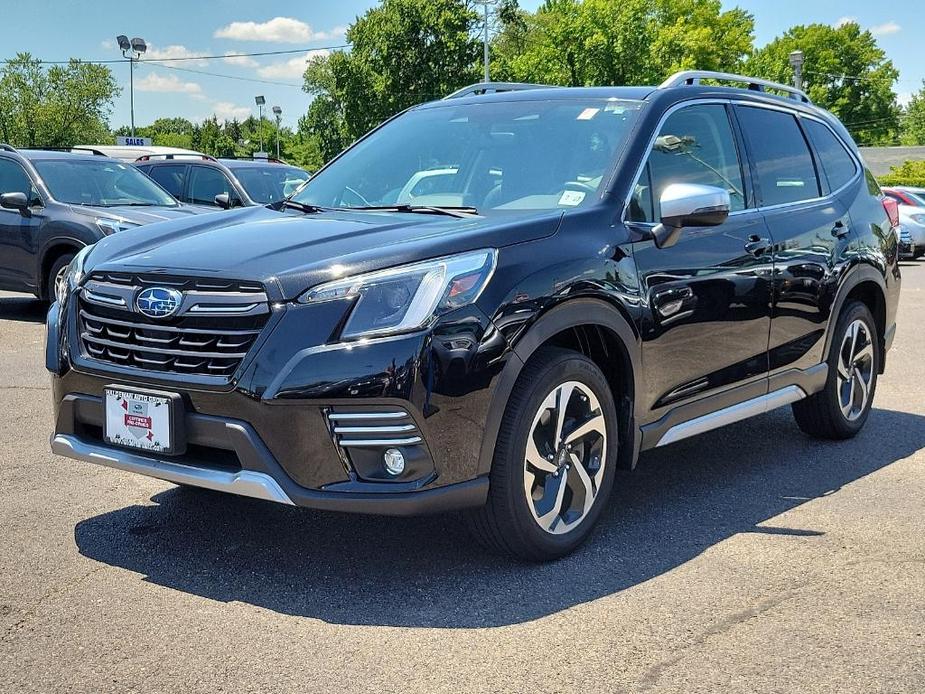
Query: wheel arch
592, 327
50, 254
865, 284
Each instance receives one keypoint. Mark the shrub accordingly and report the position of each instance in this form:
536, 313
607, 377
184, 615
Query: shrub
911, 173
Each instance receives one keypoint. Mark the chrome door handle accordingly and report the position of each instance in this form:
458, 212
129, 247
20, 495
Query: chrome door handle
757, 245
840, 230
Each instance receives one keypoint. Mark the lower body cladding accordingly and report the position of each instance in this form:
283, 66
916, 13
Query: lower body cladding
379, 455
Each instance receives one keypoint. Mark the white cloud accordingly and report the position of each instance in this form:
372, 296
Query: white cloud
276, 30
293, 68
886, 29
904, 98
108, 44
225, 110
240, 60
158, 83
174, 51
842, 21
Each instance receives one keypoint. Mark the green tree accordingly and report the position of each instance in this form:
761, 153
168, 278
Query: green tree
913, 122
57, 106
604, 42
402, 52
845, 71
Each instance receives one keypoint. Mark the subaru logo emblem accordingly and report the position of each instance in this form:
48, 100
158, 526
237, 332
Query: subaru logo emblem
158, 302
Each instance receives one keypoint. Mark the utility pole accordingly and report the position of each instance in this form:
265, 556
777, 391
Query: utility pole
796, 62
485, 4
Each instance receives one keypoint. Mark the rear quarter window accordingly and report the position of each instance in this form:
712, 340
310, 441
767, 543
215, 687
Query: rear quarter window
839, 166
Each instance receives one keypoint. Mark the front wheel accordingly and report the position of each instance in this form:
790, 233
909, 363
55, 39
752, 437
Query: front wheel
554, 461
56, 275
840, 409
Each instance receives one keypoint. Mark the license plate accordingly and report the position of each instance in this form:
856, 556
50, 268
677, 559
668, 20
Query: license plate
141, 420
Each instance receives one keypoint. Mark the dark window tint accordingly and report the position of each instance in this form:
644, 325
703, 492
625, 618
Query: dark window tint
695, 145
838, 165
785, 167
170, 178
13, 179
205, 184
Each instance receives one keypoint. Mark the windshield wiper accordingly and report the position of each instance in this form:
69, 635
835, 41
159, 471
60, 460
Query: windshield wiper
463, 212
301, 206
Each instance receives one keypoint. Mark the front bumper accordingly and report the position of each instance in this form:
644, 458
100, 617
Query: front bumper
309, 426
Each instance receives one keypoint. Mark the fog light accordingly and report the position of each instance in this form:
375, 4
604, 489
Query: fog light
394, 461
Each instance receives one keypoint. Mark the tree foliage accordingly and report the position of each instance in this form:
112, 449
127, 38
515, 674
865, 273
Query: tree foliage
913, 123
402, 52
57, 106
605, 42
845, 71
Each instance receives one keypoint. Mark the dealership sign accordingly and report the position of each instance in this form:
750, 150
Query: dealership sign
133, 141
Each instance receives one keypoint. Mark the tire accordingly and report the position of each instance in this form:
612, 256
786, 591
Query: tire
532, 528
823, 415
56, 268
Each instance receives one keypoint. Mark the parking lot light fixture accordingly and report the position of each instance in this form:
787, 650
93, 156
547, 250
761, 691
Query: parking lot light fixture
278, 112
260, 101
132, 50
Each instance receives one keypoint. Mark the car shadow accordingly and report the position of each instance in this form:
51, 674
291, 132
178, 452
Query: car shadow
427, 572
23, 308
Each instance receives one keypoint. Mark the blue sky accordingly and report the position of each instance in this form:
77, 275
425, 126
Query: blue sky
59, 29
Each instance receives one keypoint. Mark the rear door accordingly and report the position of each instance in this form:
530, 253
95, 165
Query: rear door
809, 221
708, 297
17, 233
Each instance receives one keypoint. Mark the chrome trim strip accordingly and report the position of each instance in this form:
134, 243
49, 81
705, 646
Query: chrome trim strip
410, 441
358, 416
693, 77
735, 413
95, 298
387, 429
243, 483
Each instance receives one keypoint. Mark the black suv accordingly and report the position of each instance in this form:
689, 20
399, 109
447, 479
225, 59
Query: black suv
588, 273
223, 182
52, 204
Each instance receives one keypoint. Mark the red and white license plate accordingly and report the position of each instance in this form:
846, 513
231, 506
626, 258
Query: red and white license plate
139, 420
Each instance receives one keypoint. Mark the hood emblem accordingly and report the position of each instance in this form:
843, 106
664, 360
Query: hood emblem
158, 302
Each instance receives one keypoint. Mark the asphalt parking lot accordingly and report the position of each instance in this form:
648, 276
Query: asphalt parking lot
747, 559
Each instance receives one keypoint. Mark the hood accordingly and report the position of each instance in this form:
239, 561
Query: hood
291, 252
138, 215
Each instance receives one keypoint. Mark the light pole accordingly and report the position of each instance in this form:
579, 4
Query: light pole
260, 101
485, 4
796, 62
131, 51
278, 112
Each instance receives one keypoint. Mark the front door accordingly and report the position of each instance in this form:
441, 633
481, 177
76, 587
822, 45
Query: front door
707, 310
17, 233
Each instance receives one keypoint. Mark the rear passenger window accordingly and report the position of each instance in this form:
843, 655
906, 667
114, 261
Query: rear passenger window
170, 177
838, 165
781, 156
695, 145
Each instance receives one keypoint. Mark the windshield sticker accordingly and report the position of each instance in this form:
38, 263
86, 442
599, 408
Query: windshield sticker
571, 198
588, 114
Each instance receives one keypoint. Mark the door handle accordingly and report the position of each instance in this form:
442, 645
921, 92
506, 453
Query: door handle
757, 245
840, 230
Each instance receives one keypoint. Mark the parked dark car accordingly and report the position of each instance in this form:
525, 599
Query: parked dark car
240, 182
52, 204
591, 273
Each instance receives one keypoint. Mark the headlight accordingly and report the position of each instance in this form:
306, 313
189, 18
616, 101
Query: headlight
73, 275
109, 226
918, 218
408, 297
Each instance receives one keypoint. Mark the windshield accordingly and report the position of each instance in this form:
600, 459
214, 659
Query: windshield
100, 183
515, 155
270, 183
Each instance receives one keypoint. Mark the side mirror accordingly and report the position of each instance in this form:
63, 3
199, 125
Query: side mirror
689, 205
16, 201
224, 201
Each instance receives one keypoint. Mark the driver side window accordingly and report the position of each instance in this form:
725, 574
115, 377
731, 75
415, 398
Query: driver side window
695, 145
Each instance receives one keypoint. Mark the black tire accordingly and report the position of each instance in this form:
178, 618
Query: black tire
507, 524
821, 415
60, 263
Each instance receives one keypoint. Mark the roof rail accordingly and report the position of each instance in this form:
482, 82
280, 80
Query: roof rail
7, 148
693, 77
80, 148
494, 88
177, 155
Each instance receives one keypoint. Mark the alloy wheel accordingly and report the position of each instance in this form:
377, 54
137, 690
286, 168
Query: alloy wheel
855, 370
565, 457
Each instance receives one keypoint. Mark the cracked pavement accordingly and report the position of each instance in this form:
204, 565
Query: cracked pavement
749, 559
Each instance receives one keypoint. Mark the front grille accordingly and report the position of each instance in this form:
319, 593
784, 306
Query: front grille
212, 331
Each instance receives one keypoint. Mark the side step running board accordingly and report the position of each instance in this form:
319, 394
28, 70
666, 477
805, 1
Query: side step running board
735, 413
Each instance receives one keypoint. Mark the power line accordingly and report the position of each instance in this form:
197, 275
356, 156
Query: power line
219, 74
288, 51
